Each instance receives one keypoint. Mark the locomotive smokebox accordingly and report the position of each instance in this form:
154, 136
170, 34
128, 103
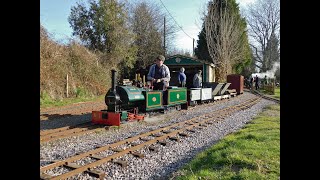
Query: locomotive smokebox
112, 98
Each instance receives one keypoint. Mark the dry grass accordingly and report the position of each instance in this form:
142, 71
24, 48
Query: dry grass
87, 76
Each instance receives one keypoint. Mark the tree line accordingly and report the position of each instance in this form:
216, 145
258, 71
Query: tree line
129, 34
225, 37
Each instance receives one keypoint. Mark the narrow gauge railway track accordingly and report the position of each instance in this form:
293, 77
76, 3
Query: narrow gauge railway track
216, 102
83, 128
53, 134
72, 107
172, 132
264, 96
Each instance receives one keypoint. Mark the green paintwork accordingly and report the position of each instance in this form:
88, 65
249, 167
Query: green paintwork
154, 100
130, 93
124, 115
183, 61
178, 60
177, 96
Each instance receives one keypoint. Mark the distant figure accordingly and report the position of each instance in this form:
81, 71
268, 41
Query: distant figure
159, 74
247, 82
197, 80
265, 80
251, 82
257, 82
182, 77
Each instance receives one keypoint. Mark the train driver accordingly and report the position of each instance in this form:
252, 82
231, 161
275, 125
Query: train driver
159, 74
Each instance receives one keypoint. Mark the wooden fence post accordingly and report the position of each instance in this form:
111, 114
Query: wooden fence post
67, 86
273, 88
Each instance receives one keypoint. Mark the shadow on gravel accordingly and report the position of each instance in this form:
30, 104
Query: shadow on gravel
53, 116
55, 121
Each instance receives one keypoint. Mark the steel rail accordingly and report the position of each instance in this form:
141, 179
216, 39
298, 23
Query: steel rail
192, 123
68, 132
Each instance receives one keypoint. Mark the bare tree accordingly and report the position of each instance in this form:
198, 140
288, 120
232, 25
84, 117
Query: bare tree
147, 23
224, 37
263, 18
181, 51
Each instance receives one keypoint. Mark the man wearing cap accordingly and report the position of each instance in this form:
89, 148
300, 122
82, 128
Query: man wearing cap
159, 74
197, 80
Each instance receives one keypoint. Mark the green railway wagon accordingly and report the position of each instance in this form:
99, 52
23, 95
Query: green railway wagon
154, 100
177, 96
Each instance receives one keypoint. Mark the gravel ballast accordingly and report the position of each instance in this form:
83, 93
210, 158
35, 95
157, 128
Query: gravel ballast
155, 165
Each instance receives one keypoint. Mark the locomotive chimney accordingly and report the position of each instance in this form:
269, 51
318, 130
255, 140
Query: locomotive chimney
113, 80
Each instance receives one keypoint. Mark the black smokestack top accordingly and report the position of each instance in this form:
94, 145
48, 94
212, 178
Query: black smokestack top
113, 76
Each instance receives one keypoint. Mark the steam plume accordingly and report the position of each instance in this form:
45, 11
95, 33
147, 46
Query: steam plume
269, 73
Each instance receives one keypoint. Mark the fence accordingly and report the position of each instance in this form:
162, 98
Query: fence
268, 86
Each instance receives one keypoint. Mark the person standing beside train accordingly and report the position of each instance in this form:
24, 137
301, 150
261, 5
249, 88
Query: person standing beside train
251, 82
182, 78
159, 74
197, 80
257, 82
265, 81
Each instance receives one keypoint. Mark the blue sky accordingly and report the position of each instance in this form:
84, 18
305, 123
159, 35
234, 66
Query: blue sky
54, 17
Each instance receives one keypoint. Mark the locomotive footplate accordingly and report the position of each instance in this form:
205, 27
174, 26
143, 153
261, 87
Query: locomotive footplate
114, 118
107, 118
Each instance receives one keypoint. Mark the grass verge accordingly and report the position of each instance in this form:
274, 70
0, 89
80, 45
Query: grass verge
48, 103
251, 153
275, 95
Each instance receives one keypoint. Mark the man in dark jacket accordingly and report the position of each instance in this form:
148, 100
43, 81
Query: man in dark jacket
257, 82
251, 82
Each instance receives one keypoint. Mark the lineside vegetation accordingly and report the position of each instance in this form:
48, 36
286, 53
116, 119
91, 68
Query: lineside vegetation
251, 153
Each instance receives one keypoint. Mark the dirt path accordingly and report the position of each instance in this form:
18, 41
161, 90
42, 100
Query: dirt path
71, 110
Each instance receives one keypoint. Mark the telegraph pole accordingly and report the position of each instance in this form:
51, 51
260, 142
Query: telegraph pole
193, 47
164, 36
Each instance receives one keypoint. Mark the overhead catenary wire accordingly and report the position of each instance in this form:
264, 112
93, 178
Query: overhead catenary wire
175, 20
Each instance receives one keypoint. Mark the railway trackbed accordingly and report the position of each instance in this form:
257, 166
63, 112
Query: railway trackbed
79, 129
53, 134
83, 106
265, 96
131, 145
